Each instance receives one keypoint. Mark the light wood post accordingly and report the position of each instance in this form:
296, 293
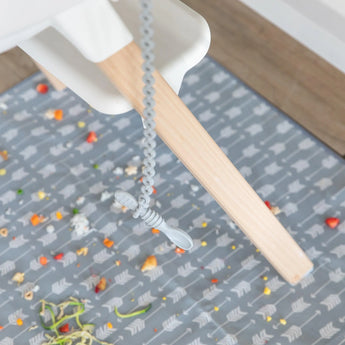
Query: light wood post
190, 142
57, 84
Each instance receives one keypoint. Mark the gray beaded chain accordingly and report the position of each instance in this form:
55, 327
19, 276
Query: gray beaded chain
141, 207
147, 45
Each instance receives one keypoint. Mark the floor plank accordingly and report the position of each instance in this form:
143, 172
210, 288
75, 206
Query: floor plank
290, 76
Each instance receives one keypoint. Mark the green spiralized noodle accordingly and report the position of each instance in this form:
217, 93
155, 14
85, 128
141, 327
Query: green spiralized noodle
138, 312
83, 334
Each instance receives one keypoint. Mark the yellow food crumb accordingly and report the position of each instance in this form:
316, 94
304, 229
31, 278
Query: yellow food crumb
233, 247
58, 215
82, 251
132, 300
216, 308
264, 278
20, 322
18, 277
267, 291
109, 325
257, 250
2, 172
81, 124
118, 262
229, 267
41, 195
164, 298
203, 244
268, 318
282, 321
204, 224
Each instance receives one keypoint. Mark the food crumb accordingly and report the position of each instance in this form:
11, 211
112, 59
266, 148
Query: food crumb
268, 318
4, 155
131, 170
109, 325
216, 308
58, 215
283, 321
108, 243
20, 192
80, 200
18, 277
95, 166
75, 211
155, 231
2, 172
58, 114
81, 124
49, 114
233, 247
117, 262
20, 322
91, 137
275, 210
50, 228
80, 224
3, 232
43, 260
41, 195
179, 250
155, 330
102, 284
149, 264
118, 171
257, 250
203, 244
267, 291
332, 222
29, 295
214, 281
32, 328
36, 219
204, 224
42, 88
82, 251
164, 298
264, 278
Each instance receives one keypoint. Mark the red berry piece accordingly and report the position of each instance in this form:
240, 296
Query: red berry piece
64, 328
42, 88
332, 222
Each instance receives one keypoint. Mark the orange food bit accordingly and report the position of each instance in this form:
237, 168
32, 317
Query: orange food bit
109, 325
101, 285
155, 330
154, 190
20, 322
214, 281
36, 219
179, 250
43, 260
58, 114
58, 215
1, 327
155, 231
108, 243
42, 88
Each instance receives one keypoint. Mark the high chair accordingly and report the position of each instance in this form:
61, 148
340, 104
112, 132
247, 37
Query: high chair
89, 45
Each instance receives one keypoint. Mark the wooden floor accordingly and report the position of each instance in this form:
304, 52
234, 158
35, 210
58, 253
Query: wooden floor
290, 76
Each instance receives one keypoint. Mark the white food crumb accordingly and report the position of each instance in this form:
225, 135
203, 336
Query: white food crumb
49, 114
194, 187
80, 224
118, 171
80, 200
50, 228
158, 204
131, 170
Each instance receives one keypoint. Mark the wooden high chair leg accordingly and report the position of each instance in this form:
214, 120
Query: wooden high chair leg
190, 142
57, 84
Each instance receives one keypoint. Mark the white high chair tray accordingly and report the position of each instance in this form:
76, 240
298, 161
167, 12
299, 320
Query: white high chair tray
181, 37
